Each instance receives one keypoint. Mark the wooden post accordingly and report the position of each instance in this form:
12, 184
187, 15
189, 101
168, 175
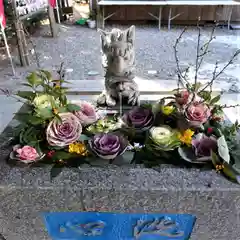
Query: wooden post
52, 21
99, 16
21, 39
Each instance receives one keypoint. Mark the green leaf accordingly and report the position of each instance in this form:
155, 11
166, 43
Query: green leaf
84, 137
196, 86
215, 159
26, 95
27, 85
47, 74
56, 170
28, 118
34, 120
215, 100
223, 150
58, 119
30, 136
230, 172
45, 113
62, 109
147, 105
63, 99
61, 155
34, 80
73, 107
206, 95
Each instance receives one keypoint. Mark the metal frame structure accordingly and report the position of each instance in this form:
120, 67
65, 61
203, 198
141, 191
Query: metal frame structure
102, 4
101, 18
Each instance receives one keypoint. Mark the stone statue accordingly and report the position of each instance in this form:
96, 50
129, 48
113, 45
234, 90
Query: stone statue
118, 60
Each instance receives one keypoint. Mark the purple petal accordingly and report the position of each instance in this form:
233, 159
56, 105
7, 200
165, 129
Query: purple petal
108, 145
138, 117
204, 146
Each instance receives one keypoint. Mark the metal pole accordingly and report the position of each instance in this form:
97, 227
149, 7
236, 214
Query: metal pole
7, 48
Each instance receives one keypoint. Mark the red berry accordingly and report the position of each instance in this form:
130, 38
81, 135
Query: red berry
209, 130
50, 153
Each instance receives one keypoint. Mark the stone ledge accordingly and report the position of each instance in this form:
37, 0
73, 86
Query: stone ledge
146, 86
217, 212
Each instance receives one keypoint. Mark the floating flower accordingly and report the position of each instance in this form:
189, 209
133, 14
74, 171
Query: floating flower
139, 118
87, 114
197, 113
78, 148
163, 138
167, 110
203, 146
186, 137
63, 133
25, 154
43, 101
182, 97
104, 126
200, 151
108, 145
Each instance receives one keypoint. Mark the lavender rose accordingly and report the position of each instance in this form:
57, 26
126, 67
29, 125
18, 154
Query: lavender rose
108, 145
197, 113
139, 118
64, 133
87, 115
203, 145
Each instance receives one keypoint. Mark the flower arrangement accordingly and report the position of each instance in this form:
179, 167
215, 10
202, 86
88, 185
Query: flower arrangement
185, 128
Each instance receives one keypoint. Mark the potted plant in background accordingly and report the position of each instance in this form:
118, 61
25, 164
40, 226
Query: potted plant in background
92, 19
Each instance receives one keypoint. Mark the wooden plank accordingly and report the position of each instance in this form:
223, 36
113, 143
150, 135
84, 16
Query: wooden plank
33, 14
202, 3
53, 24
164, 3
129, 3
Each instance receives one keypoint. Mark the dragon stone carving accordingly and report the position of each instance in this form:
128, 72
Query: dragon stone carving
118, 60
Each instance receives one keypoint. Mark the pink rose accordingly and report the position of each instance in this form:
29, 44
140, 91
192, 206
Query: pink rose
87, 115
27, 153
197, 113
182, 97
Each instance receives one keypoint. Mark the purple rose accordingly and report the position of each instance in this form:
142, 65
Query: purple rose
64, 133
139, 118
203, 145
108, 145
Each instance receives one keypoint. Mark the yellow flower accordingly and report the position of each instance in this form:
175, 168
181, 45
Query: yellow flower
186, 137
78, 148
167, 110
219, 168
55, 111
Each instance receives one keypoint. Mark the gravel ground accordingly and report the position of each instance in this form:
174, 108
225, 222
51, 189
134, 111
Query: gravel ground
79, 48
